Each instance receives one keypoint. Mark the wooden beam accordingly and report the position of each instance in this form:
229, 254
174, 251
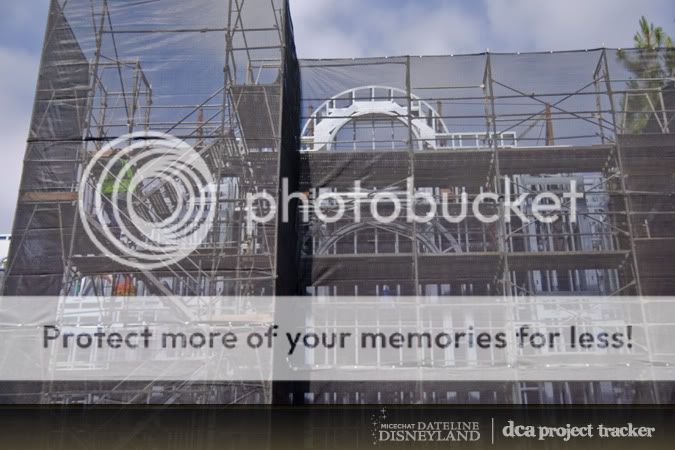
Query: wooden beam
48, 197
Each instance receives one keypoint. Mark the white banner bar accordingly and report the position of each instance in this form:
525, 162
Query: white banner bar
259, 339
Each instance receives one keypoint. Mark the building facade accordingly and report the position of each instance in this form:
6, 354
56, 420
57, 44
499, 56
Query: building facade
223, 77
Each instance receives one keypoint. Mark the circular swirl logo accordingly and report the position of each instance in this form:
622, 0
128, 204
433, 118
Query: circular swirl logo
146, 200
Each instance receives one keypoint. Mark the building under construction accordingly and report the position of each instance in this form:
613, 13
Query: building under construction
222, 75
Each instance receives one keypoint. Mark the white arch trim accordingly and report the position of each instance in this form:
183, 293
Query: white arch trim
322, 127
395, 228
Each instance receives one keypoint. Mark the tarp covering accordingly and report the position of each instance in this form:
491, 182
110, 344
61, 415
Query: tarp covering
555, 117
207, 72
222, 78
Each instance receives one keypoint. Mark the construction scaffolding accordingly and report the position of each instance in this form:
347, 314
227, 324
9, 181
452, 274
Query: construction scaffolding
449, 125
461, 124
223, 77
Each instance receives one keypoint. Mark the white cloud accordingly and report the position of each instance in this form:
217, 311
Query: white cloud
319, 35
419, 30
571, 24
353, 28
18, 75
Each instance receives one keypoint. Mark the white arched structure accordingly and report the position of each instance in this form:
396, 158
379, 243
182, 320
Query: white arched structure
322, 127
428, 128
428, 242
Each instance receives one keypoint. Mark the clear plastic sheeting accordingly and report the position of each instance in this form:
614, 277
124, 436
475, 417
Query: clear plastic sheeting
509, 124
210, 73
602, 119
223, 77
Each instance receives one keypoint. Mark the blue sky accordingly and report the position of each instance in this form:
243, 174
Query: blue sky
349, 28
